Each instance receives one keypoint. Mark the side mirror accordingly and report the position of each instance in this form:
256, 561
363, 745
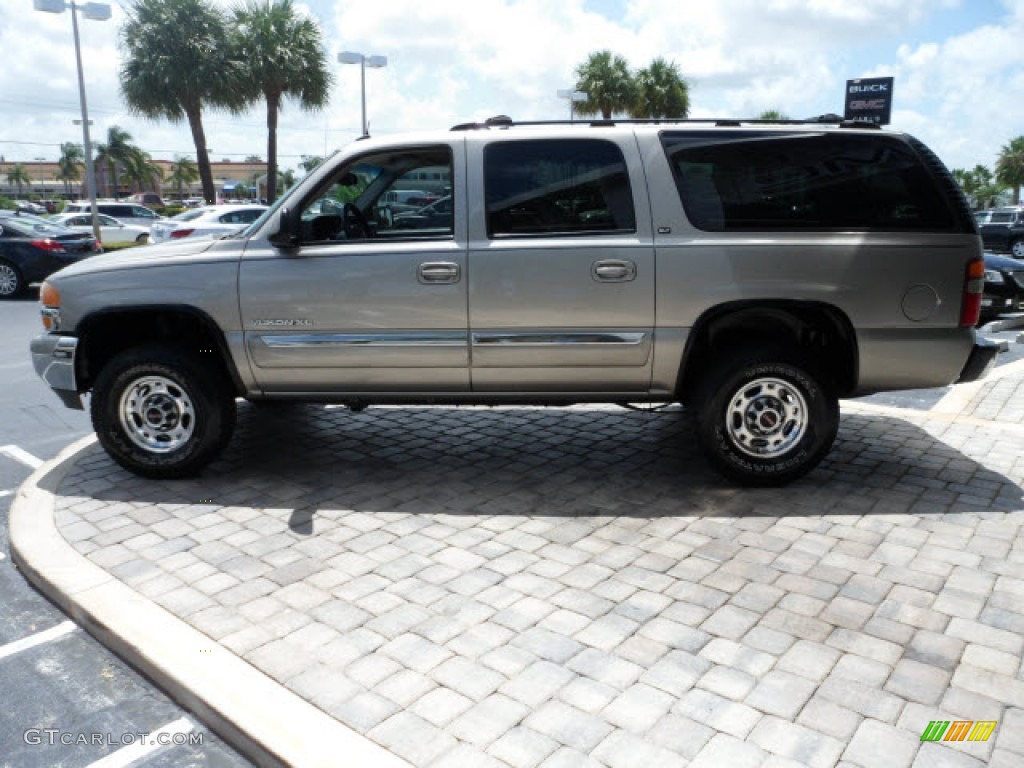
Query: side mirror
287, 235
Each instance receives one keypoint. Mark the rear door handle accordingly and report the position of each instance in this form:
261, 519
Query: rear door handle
613, 271
438, 272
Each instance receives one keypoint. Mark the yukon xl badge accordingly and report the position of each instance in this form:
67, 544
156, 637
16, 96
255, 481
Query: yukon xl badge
274, 322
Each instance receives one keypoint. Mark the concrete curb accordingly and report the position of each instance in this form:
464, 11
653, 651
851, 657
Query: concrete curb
259, 717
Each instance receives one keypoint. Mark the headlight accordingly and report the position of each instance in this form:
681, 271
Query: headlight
49, 298
991, 276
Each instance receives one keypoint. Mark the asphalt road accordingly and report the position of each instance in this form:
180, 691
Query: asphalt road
67, 700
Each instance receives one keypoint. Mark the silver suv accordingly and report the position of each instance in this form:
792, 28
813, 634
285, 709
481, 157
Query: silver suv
754, 272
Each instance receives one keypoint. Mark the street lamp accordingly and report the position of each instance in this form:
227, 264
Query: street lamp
93, 12
374, 62
572, 96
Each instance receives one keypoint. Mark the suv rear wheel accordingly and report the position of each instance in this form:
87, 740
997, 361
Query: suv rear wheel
1017, 248
159, 414
765, 418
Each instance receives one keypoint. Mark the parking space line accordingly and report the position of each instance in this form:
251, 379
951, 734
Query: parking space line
6, 493
20, 454
140, 749
54, 633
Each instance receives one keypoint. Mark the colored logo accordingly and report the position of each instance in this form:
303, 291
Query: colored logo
958, 730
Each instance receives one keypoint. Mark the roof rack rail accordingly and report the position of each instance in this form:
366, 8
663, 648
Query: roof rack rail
504, 121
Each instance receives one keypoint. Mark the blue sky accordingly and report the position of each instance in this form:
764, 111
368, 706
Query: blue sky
958, 65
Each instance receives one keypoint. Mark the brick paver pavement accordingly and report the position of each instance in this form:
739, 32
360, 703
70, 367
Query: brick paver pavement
573, 587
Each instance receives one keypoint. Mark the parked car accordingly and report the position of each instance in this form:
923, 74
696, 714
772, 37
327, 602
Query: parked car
1004, 287
437, 215
111, 230
32, 249
127, 213
30, 207
151, 199
1002, 229
207, 223
732, 267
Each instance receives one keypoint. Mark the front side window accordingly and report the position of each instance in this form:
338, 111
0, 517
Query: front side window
384, 195
557, 187
761, 181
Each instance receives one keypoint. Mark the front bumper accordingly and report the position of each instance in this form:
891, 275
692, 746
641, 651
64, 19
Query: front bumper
54, 359
982, 358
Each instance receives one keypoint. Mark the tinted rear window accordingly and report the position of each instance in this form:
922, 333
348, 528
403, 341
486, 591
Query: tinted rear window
782, 181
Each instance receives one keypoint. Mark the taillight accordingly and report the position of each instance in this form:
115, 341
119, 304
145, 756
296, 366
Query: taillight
974, 286
48, 245
176, 233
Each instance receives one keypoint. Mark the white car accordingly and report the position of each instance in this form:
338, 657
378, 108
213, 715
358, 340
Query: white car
111, 230
207, 223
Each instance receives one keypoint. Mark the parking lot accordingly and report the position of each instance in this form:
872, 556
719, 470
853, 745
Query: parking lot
556, 587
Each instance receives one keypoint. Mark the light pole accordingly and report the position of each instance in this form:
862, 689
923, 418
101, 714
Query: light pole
572, 96
374, 62
94, 12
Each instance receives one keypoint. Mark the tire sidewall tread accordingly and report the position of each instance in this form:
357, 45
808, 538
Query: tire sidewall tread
720, 386
211, 398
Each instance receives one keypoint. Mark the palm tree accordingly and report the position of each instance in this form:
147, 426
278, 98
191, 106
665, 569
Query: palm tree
660, 91
1010, 166
175, 60
141, 171
183, 173
18, 175
285, 57
116, 151
286, 179
72, 157
609, 86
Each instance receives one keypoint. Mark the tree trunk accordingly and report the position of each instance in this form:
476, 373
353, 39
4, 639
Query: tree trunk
273, 107
195, 122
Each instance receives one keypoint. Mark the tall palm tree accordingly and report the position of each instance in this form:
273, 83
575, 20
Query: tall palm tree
660, 91
183, 173
141, 172
18, 175
286, 58
606, 79
114, 152
175, 60
1010, 166
72, 157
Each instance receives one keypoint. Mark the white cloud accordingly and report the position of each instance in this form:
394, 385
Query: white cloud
958, 67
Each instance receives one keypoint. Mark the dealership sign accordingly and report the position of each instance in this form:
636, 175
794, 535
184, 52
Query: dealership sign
869, 99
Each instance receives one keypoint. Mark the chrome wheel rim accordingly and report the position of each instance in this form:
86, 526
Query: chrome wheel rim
766, 418
157, 414
8, 280
1017, 249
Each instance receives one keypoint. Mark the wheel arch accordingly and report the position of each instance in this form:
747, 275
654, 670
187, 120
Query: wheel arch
108, 332
818, 332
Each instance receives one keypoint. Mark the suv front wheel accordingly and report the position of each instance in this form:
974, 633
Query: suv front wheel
764, 419
159, 414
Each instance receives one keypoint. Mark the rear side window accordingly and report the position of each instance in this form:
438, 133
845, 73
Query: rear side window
783, 181
557, 187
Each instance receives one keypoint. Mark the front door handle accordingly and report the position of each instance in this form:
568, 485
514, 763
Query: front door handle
613, 271
438, 272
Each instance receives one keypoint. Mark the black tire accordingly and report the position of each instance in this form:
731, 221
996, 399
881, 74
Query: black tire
764, 418
159, 414
12, 284
142, 239
1017, 248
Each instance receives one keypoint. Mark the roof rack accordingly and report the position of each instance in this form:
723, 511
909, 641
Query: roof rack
504, 121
